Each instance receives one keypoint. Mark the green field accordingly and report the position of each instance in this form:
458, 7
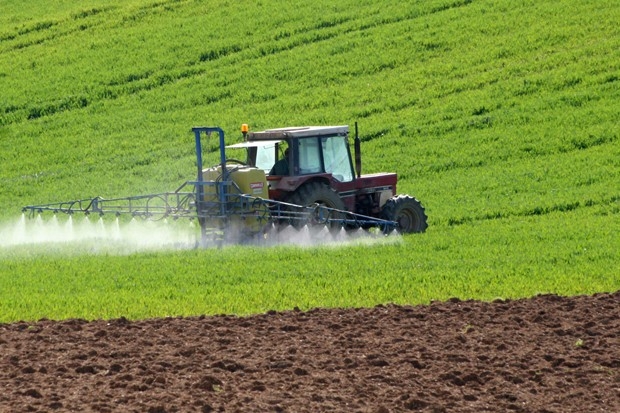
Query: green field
502, 117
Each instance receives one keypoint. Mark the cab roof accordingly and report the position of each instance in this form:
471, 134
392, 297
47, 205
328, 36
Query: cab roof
298, 132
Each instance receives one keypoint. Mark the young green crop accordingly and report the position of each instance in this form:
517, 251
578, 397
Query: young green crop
488, 259
500, 116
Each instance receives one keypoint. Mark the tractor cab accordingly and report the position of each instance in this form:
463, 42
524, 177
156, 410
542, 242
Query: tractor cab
294, 156
302, 151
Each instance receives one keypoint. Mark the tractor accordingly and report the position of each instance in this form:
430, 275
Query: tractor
313, 165
295, 176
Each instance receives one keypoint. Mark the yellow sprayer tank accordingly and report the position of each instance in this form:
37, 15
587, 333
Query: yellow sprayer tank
245, 214
251, 181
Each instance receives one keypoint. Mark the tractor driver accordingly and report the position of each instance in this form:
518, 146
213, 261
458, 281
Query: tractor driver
281, 167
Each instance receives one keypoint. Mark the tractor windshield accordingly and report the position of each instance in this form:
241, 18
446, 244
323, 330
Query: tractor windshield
266, 157
261, 154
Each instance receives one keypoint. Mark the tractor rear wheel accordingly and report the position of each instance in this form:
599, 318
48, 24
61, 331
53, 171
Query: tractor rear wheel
407, 211
314, 193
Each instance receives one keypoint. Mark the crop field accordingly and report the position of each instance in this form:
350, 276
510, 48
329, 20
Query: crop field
501, 117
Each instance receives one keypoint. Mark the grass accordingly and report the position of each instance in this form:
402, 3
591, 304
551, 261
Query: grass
482, 260
501, 117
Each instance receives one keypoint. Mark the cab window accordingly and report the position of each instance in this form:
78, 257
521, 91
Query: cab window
309, 156
336, 158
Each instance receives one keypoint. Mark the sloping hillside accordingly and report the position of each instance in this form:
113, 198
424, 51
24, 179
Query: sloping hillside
485, 109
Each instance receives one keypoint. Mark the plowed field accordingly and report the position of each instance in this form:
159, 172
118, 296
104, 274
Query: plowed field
544, 354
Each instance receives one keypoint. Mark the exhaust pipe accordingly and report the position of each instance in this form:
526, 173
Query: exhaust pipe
358, 153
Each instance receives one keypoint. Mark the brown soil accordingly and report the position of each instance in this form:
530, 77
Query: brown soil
545, 354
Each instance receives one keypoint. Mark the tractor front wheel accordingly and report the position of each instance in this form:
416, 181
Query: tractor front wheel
408, 212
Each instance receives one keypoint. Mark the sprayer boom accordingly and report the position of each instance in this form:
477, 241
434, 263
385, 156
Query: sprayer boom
236, 208
152, 206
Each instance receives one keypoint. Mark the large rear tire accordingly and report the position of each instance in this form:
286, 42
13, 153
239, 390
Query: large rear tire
407, 211
316, 193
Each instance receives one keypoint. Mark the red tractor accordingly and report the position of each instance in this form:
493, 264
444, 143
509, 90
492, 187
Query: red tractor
313, 165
